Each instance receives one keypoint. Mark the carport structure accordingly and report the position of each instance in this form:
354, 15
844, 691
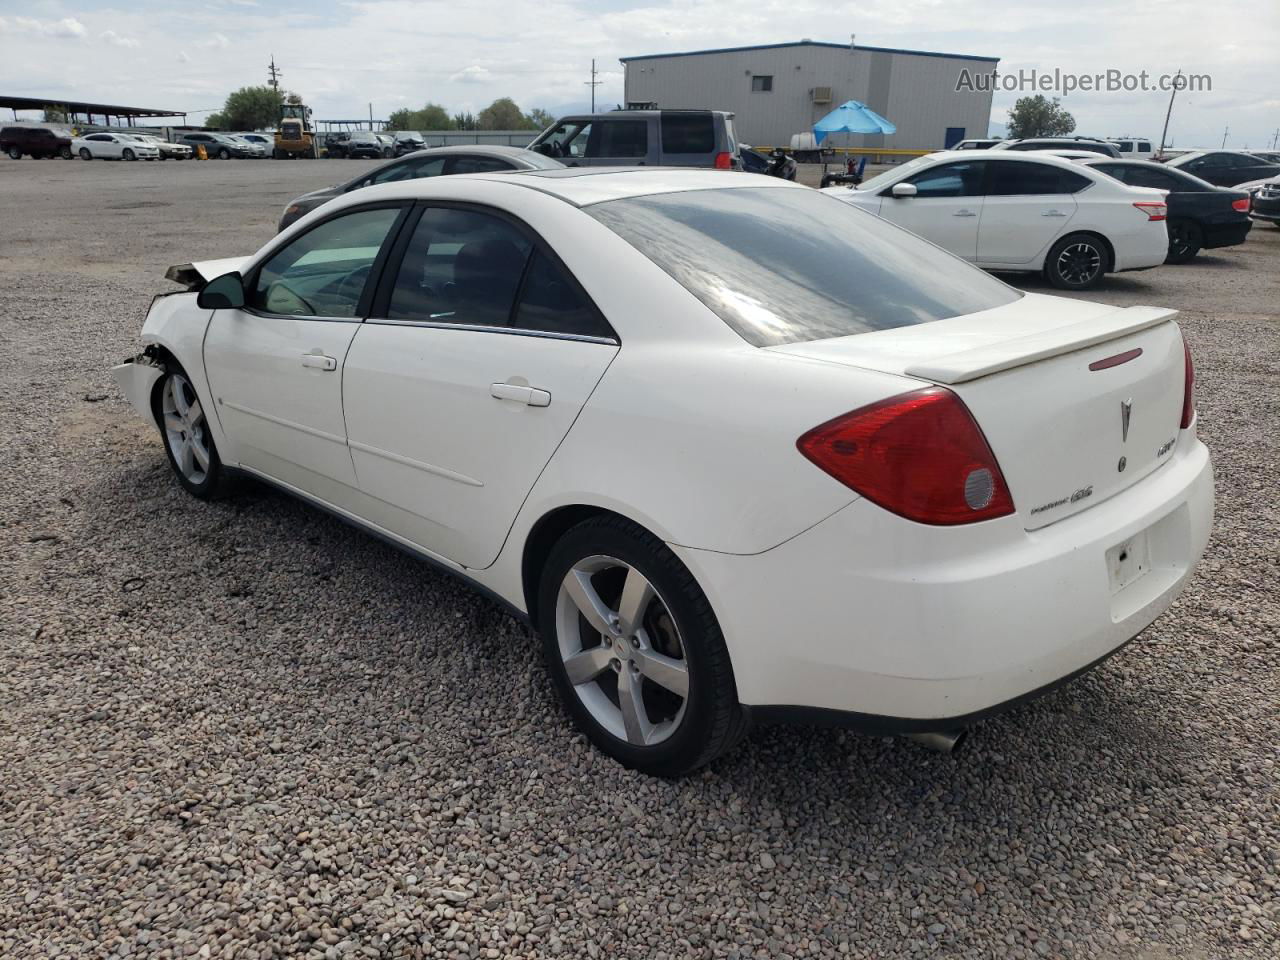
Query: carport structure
80, 111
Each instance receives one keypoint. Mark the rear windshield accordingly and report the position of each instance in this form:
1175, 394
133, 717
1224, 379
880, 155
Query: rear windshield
786, 265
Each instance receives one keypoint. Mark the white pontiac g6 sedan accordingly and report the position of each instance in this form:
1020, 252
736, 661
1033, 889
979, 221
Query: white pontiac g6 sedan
1022, 212
739, 451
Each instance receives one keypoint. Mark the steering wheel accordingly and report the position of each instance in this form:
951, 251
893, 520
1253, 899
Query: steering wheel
356, 278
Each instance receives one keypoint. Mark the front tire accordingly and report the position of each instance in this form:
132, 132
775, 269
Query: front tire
635, 650
1185, 241
188, 441
1077, 262
224, 154
15, 153
85, 154
129, 155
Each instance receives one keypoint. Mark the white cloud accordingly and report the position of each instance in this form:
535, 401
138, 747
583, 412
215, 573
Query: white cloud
184, 57
113, 38
471, 74
67, 27
217, 42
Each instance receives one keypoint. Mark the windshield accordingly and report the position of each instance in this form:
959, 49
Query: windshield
782, 265
882, 179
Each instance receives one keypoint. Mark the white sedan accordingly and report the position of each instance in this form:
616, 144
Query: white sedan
1029, 212
113, 146
738, 451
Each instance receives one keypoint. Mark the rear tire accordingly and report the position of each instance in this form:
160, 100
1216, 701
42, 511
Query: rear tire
1185, 240
654, 688
64, 153
188, 442
1077, 262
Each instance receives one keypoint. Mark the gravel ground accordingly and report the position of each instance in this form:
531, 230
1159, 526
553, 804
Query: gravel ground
244, 730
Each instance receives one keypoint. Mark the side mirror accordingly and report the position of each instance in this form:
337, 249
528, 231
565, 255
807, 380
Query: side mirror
904, 190
222, 293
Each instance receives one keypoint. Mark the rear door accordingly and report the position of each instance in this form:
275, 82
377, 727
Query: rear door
477, 358
947, 207
1028, 205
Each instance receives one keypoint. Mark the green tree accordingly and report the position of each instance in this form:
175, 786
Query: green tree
432, 116
215, 121
1039, 116
251, 108
502, 114
465, 121
539, 119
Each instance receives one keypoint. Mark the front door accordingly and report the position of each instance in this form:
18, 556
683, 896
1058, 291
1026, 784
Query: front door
275, 367
946, 209
470, 371
1027, 207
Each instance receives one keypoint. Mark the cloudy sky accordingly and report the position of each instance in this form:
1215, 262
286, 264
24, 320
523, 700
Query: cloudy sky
343, 54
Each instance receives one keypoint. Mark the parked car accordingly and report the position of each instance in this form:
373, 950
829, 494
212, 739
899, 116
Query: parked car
388, 145
178, 151
19, 141
364, 143
435, 162
1006, 210
975, 144
1265, 201
407, 141
1060, 143
217, 146
716, 409
256, 150
1224, 168
265, 141
113, 146
1137, 148
1266, 156
335, 144
666, 138
1201, 216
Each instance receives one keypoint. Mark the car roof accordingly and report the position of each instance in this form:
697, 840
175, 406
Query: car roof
1033, 156
584, 186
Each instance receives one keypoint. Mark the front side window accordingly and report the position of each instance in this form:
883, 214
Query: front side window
1012, 178
782, 265
620, 138
950, 180
567, 139
323, 272
461, 266
688, 133
414, 169
761, 83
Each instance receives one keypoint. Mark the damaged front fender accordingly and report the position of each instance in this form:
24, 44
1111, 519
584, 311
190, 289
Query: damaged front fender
137, 378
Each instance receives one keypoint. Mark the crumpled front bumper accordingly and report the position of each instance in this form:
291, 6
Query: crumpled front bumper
137, 378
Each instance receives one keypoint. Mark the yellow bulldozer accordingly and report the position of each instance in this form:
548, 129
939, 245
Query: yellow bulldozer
294, 136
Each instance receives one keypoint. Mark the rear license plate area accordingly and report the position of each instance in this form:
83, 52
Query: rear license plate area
1128, 561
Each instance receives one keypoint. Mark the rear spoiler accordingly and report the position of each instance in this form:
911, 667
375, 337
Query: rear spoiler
194, 276
979, 362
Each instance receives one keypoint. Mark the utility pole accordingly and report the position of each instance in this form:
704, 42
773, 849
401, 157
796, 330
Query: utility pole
1275, 138
593, 83
1225, 131
275, 74
1177, 82
371, 116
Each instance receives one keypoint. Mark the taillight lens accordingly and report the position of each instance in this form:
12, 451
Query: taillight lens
724, 161
920, 455
1188, 389
1153, 209
1242, 205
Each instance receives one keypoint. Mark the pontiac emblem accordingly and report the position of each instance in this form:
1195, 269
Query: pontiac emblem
1126, 408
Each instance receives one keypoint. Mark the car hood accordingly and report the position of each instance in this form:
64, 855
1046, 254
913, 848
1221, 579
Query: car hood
324, 193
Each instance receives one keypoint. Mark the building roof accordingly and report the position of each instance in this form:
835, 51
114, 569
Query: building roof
78, 106
809, 43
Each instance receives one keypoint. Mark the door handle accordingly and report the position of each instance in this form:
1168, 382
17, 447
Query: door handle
530, 396
318, 361
964, 213
1053, 213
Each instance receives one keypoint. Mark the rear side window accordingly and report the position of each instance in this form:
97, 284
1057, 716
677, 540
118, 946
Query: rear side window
1011, 178
688, 133
619, 138
469, 164
551, 302
783, 265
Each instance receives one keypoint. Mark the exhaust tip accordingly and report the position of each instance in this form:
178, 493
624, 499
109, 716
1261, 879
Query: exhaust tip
942, 741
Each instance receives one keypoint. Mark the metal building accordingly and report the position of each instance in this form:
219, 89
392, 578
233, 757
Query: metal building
780, 89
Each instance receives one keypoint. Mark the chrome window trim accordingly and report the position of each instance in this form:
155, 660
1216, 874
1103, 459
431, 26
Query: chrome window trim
296, 316
484, 328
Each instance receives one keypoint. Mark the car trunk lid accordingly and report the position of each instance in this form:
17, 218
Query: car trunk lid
1078, 401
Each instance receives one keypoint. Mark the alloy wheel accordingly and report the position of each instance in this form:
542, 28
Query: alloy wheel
1079, 263
185, 429
622, 650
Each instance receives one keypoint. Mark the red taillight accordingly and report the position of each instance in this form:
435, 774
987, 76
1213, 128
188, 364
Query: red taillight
724, 161
1188, 389
1153, 209
1242, 205
919, 454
